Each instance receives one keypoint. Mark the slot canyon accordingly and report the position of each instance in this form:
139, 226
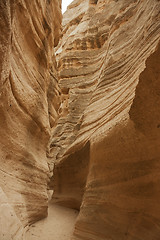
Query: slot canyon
79, 120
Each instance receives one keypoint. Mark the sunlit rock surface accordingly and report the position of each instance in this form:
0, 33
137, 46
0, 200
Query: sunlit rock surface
108, 61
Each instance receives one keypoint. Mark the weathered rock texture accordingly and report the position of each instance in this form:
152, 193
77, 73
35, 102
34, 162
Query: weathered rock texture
29, 99
109, 61
103, 117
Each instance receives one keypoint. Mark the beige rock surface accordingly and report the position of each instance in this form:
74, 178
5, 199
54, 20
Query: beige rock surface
93, 137
29, 101
102, 58
10, 225
59, 225
123, 193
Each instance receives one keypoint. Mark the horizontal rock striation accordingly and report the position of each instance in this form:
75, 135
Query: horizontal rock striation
29, 102
108, 48
122, 190
93, 136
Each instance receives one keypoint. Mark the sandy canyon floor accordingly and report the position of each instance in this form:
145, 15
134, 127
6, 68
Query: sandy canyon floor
59, 225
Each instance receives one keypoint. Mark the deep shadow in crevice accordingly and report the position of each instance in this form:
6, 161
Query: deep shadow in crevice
69, 178
93, 1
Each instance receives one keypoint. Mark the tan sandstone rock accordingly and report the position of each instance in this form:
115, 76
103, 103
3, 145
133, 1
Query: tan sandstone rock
10, 225
29, 102
96, 131
107, 137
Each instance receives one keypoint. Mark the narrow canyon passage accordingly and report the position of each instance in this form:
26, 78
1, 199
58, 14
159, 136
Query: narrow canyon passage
80, 120
59, 224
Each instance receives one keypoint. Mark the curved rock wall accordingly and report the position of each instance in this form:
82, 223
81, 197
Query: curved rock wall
97, 130
122, 191
29, 99
101, 57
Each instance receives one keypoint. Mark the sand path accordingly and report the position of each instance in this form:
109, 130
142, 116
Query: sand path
59, 225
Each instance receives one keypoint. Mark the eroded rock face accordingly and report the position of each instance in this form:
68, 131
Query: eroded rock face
109, 48
122, 192
103, 117
29, 99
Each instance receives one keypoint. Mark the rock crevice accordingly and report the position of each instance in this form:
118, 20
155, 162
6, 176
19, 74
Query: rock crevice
79, 116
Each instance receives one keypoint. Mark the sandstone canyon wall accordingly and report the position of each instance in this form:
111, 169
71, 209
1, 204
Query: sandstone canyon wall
93, 137
29, 99
106, 144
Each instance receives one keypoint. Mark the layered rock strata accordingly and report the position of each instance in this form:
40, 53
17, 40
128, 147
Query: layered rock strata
107, 125
29, 102
103, 116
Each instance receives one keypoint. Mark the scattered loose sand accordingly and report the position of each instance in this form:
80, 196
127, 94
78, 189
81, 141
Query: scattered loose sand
59, 225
